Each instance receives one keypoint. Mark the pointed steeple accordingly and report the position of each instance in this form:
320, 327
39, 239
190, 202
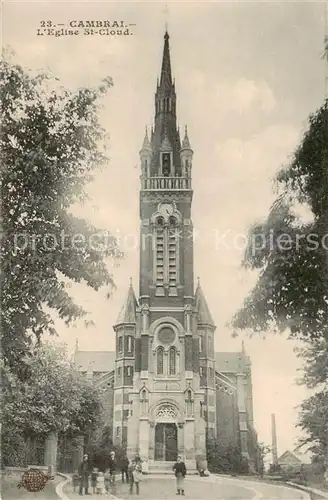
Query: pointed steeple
166, 74
146, 144
203, 312
165, 121
128, 311
186, 142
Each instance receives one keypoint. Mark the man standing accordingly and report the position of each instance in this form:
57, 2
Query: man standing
84, 470
124, 464
112, 468
180, 473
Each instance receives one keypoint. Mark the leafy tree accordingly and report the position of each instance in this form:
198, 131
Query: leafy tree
225, 459
313, 420
292, 288
263, 451
51, 143
314, 410
55, 398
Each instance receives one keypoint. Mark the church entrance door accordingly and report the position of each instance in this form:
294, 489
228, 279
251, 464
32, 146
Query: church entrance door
166, 442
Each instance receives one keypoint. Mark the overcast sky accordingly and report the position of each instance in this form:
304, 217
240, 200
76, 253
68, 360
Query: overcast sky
247, 76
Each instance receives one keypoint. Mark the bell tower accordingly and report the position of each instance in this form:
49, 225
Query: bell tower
167, 400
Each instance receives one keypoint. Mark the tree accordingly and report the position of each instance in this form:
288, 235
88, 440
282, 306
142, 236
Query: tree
263, 450
51, 144
56, 397
313, 420
292, 289
314, 410
225, 459
101, 444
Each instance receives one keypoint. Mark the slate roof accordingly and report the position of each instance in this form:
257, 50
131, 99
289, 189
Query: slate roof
98, 361
231, 362
290, 457
104, 361
204, 314
128, 311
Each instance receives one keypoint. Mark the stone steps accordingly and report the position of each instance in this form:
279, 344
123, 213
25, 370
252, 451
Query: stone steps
159, 467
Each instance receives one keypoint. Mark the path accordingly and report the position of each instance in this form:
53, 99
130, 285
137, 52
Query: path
196, 488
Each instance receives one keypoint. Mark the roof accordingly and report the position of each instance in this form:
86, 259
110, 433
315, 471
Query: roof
231, 362
146, 144
128, 311
204, 314
166, 74
290, 457
104, 361
98, 361
186, 142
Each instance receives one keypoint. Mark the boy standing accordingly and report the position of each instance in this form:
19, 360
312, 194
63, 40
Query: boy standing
94, 475
180, 473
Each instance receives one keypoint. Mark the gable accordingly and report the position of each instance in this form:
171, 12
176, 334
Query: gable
291, 457
231, 362
96, 361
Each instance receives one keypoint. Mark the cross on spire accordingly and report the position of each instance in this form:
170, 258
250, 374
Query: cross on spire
166, 14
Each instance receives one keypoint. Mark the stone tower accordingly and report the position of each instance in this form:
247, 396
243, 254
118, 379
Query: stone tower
161, 411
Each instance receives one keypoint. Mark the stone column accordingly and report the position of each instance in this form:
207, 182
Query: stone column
200, 435
189, 445
50, 452
151, 441
144, 442
242, 414
181, 439
133, 427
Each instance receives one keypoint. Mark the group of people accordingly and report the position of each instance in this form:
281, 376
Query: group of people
104, 482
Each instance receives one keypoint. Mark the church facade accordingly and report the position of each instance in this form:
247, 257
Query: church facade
166, 391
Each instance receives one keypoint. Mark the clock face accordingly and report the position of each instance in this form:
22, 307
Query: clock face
166, 209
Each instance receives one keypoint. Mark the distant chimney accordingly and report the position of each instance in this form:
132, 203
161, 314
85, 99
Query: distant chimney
274, 440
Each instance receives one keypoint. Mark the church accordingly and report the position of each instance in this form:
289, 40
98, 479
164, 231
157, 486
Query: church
165, 389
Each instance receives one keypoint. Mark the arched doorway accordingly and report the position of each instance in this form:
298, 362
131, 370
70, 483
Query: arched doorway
166, 442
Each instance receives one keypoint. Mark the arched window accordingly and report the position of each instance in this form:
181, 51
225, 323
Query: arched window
201, 344
172, 361
189, 404
160, 361
129, 343
209, 346
166, 252
166, 164
173, 240
160, 251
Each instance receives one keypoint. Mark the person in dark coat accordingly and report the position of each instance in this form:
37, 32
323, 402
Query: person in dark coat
124, 463
84, 471
112, 468
180, 473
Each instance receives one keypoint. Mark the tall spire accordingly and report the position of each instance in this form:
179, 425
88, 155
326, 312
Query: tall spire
166, 75
165, 131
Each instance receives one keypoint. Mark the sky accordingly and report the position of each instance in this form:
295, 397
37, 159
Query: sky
247, 76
